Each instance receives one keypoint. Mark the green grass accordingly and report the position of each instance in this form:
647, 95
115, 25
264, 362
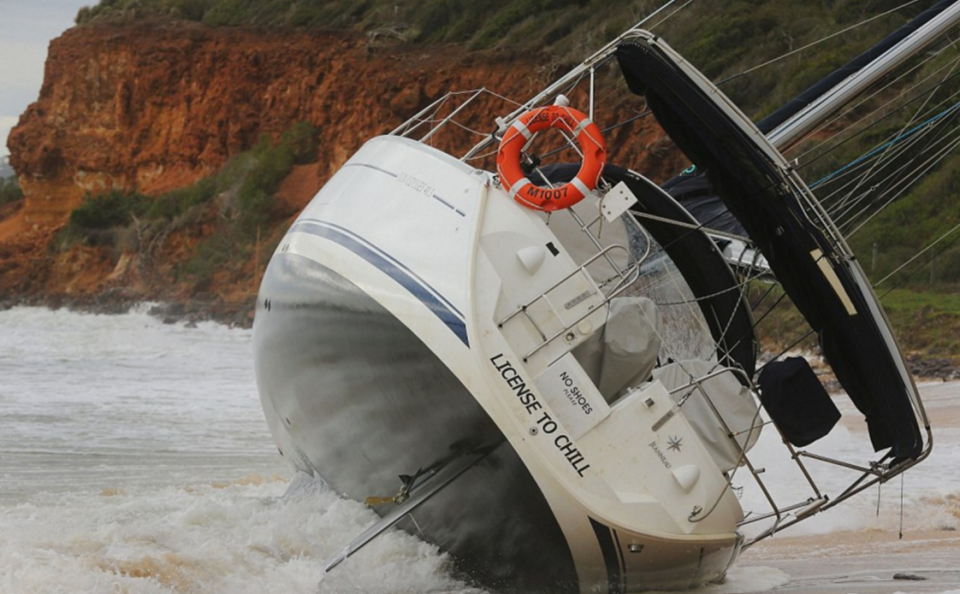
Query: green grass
946, 301
174, 204
926, 322
248, 184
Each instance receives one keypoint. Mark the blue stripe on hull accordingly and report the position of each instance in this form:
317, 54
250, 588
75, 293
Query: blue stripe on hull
409, 280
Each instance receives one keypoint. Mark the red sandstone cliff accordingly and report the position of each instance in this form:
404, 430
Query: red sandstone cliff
154, 106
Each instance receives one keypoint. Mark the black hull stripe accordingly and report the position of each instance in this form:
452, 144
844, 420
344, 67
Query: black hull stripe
610, 557
409, 280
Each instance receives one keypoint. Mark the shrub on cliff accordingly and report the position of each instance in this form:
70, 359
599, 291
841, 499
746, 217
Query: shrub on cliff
302, 140
245, 190
103, 211
10, 190
100, 219
249, 182
242, 194
174, 204
191, 10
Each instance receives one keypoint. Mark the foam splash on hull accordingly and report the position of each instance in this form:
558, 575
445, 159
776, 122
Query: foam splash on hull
244, 537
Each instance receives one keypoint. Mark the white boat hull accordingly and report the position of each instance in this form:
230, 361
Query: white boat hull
380, 351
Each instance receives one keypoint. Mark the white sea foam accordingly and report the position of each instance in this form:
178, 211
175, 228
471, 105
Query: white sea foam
744, 580
238, 538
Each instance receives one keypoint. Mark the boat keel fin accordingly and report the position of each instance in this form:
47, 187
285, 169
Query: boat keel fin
408, 499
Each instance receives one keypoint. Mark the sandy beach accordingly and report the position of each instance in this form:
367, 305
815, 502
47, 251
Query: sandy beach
874, 559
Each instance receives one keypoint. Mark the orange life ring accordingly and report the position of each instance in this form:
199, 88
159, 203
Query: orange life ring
569, 120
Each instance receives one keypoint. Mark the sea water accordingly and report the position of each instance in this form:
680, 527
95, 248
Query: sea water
134, 458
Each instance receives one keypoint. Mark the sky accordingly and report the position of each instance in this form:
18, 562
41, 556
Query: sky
26, 28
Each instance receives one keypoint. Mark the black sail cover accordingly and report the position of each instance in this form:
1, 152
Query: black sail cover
760, 197
693, 191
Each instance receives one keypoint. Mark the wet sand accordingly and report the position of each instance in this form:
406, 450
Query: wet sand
867, 561
862, 562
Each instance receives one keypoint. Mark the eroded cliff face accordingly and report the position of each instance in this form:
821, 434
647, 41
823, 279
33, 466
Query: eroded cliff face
154, 106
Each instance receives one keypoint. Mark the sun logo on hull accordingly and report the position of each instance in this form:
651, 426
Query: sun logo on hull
674, 443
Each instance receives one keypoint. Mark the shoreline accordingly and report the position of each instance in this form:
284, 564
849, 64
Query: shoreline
214, 308
917, 552
855, 562
239, 314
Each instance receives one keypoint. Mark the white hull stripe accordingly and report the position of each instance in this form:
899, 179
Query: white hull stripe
521, 183
522, 129
578, 184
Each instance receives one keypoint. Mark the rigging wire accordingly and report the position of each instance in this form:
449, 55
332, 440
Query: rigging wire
850, 200
656, 12
930, 56
895, 190
883, 107
669, 16
916, 115
789, 348
897, 185
904, 183
844, 206
841, 172
843, 209
901, 149
817, 42
918, 254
